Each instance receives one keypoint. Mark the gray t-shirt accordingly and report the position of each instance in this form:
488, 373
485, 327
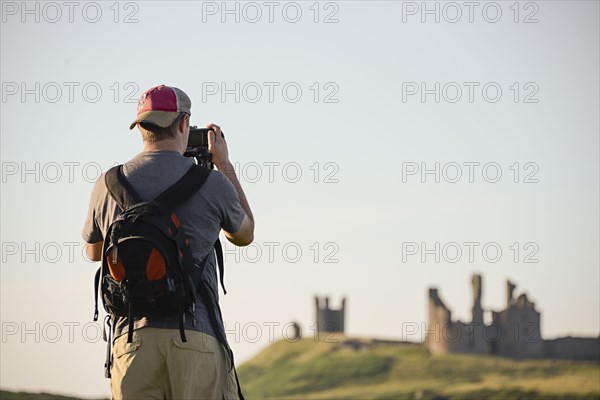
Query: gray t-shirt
216, 205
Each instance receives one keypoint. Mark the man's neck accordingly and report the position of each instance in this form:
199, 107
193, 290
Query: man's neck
163, 145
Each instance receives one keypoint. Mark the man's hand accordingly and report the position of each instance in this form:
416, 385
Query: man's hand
217, 146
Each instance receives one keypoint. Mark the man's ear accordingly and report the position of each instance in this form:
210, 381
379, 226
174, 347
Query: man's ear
183, 123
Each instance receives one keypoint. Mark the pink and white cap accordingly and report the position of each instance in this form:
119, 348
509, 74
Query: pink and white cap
161, 105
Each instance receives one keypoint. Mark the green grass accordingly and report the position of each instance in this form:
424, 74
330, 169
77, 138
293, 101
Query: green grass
4, 395
309, 370
318, 370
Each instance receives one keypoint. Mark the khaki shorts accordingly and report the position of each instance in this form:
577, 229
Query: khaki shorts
158, 365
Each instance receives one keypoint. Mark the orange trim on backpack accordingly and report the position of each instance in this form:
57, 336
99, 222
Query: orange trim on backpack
155, 267
117, 271
175, 220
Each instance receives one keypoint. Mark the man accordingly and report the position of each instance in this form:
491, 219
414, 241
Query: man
158, 364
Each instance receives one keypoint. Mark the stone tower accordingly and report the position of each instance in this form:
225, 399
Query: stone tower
329, 320
476, 311
510, 288
475, 330
439, 319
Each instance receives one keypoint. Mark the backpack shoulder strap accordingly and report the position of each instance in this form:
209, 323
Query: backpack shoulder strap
185, 187
120, 189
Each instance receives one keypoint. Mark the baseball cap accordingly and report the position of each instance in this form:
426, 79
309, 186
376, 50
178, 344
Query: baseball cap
161, 105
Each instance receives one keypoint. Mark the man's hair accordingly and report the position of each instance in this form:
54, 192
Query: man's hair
155, 133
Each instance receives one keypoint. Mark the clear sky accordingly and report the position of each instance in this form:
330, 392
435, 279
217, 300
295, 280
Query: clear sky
334, 112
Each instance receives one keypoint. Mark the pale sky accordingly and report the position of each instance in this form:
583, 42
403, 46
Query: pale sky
330, 111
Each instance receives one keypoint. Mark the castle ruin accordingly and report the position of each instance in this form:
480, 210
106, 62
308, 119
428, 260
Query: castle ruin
514, 331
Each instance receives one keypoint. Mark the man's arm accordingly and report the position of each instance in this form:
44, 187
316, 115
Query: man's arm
91, 233
220, 157
93, 251
245, 235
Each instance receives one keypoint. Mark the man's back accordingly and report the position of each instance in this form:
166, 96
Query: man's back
214, 206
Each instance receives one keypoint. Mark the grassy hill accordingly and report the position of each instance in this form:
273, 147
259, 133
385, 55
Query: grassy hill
362, 369
310, 370
4, 395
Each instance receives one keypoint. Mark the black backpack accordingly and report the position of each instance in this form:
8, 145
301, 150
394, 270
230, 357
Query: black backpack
146, 261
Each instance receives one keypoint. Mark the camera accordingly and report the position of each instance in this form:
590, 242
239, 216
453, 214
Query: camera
197, 146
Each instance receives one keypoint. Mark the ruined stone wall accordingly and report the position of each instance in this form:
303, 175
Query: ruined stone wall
573, 348
447, 336
438, 322
516, 331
